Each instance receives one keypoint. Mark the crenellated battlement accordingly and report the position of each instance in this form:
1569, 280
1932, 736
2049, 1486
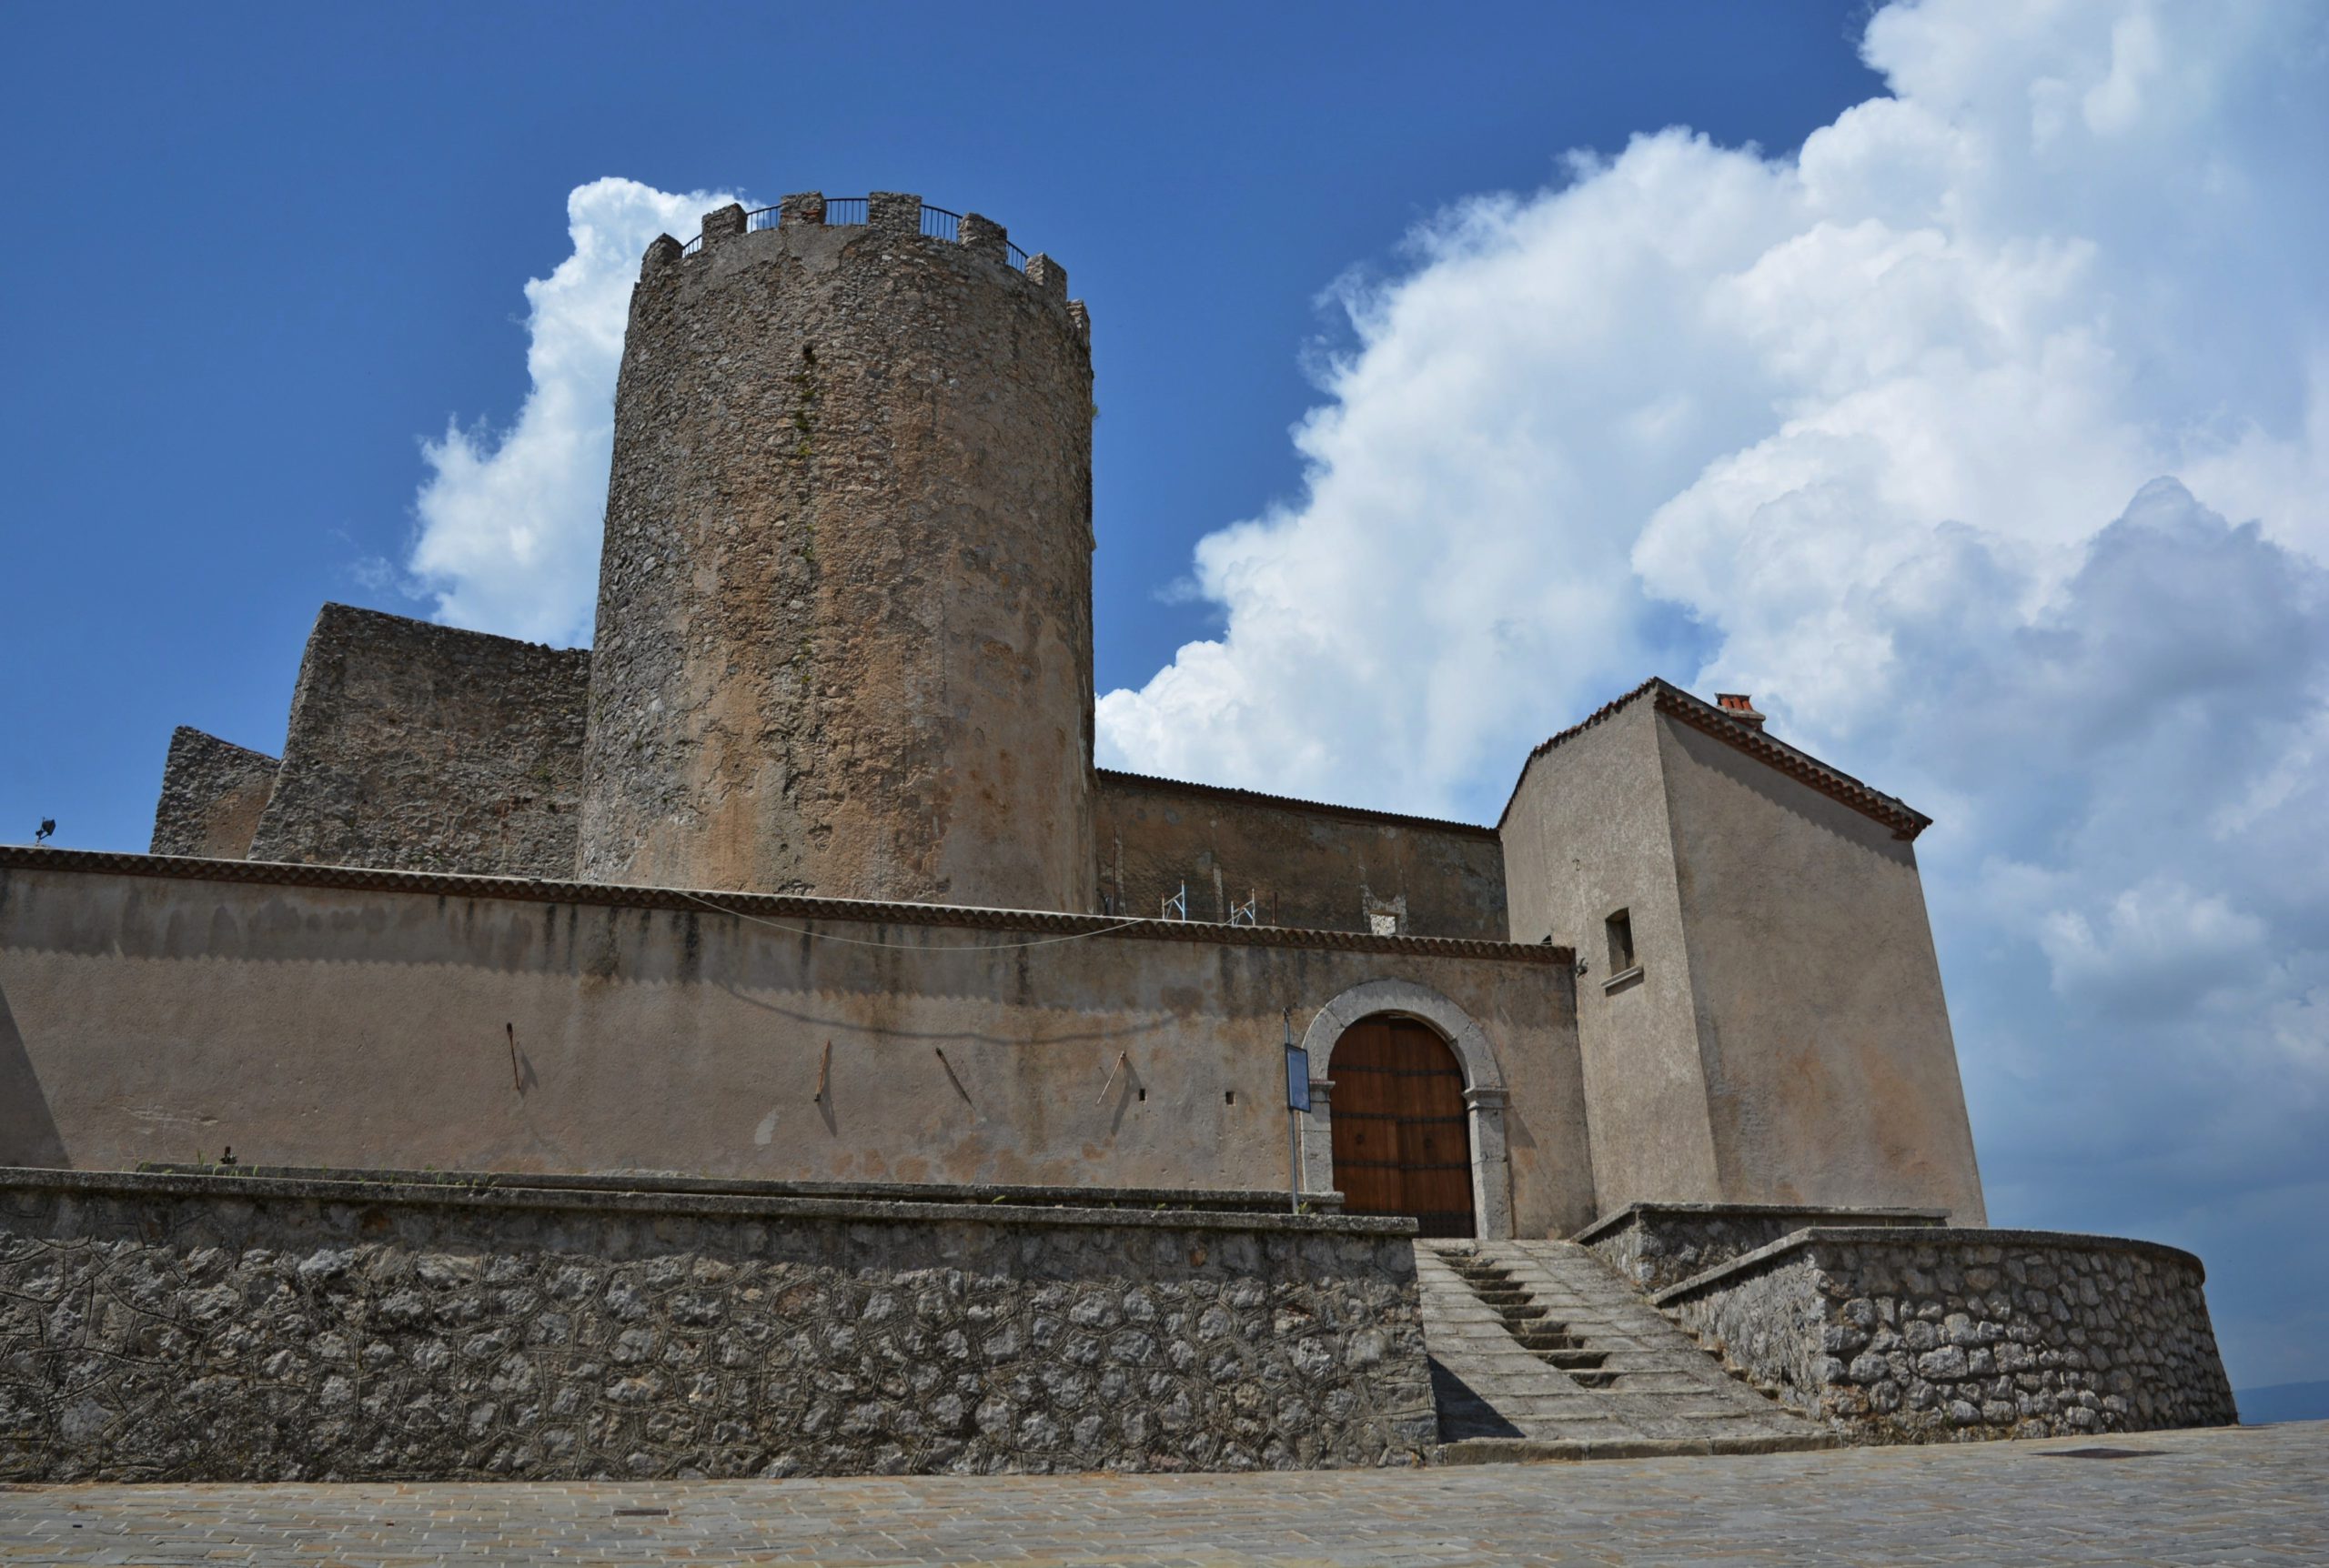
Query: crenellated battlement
891, 212
883, 212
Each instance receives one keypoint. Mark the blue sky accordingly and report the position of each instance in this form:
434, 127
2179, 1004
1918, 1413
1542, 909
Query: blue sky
1954, 376
260, 252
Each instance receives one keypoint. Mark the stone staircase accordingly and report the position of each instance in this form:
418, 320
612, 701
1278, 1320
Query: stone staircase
1539, 1352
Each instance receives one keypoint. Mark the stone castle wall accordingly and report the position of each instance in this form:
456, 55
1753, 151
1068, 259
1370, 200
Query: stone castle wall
426, 748
1657, 1246
213, 795
844, 634
180, 1328
1305, 865
1912, 1335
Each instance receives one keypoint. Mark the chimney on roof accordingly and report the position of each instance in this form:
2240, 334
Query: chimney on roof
1739, 706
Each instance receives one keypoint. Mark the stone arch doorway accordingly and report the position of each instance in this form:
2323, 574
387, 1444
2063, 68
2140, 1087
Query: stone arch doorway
1484, 1088
1402, 1140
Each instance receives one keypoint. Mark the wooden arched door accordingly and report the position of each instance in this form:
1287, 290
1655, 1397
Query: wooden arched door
1403, 1141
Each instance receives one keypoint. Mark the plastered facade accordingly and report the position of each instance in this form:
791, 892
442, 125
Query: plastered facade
1586, 835
1816, 992
1779, 1036
166, 1017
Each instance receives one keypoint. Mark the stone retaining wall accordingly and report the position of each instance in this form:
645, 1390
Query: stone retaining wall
1905, 1335
195, 1328
1658, 1245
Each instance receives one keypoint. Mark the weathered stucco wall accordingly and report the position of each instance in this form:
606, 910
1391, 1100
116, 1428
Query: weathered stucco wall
1832, 1073
1781, 1037
213, 793
1902, 1335
1321, 868
426, 748
210, 1328
844, 634
1657, 1246
1587, 834
350, 1018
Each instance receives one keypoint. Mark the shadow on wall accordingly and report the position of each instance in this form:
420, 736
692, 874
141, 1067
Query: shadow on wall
28, 1134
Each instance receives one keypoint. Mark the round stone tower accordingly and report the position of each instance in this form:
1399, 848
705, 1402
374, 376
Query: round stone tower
844, 634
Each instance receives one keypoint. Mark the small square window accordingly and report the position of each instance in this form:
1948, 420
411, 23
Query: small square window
1620, 928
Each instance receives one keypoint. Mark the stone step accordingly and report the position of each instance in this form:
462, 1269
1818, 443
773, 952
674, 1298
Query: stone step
1537, 1346
1553, 1340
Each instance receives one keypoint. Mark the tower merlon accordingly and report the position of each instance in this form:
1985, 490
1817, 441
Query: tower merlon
663, 251
1048, 276
981, 236
893, 212
720, 226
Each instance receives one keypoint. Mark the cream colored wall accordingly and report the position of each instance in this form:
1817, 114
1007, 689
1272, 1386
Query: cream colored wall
1831, 1071
155, 1018
1585, 835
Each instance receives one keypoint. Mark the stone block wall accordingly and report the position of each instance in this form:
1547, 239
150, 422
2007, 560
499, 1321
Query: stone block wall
191, 1328
1908, 1335
1317, 867
424, 748
1658, 1245
213, 794
844, 628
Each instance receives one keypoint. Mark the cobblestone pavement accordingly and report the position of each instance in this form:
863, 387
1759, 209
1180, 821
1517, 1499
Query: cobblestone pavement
2254, 1495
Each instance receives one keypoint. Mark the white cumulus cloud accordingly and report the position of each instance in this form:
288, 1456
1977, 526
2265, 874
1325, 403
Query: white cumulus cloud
510, 519
1985, 439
